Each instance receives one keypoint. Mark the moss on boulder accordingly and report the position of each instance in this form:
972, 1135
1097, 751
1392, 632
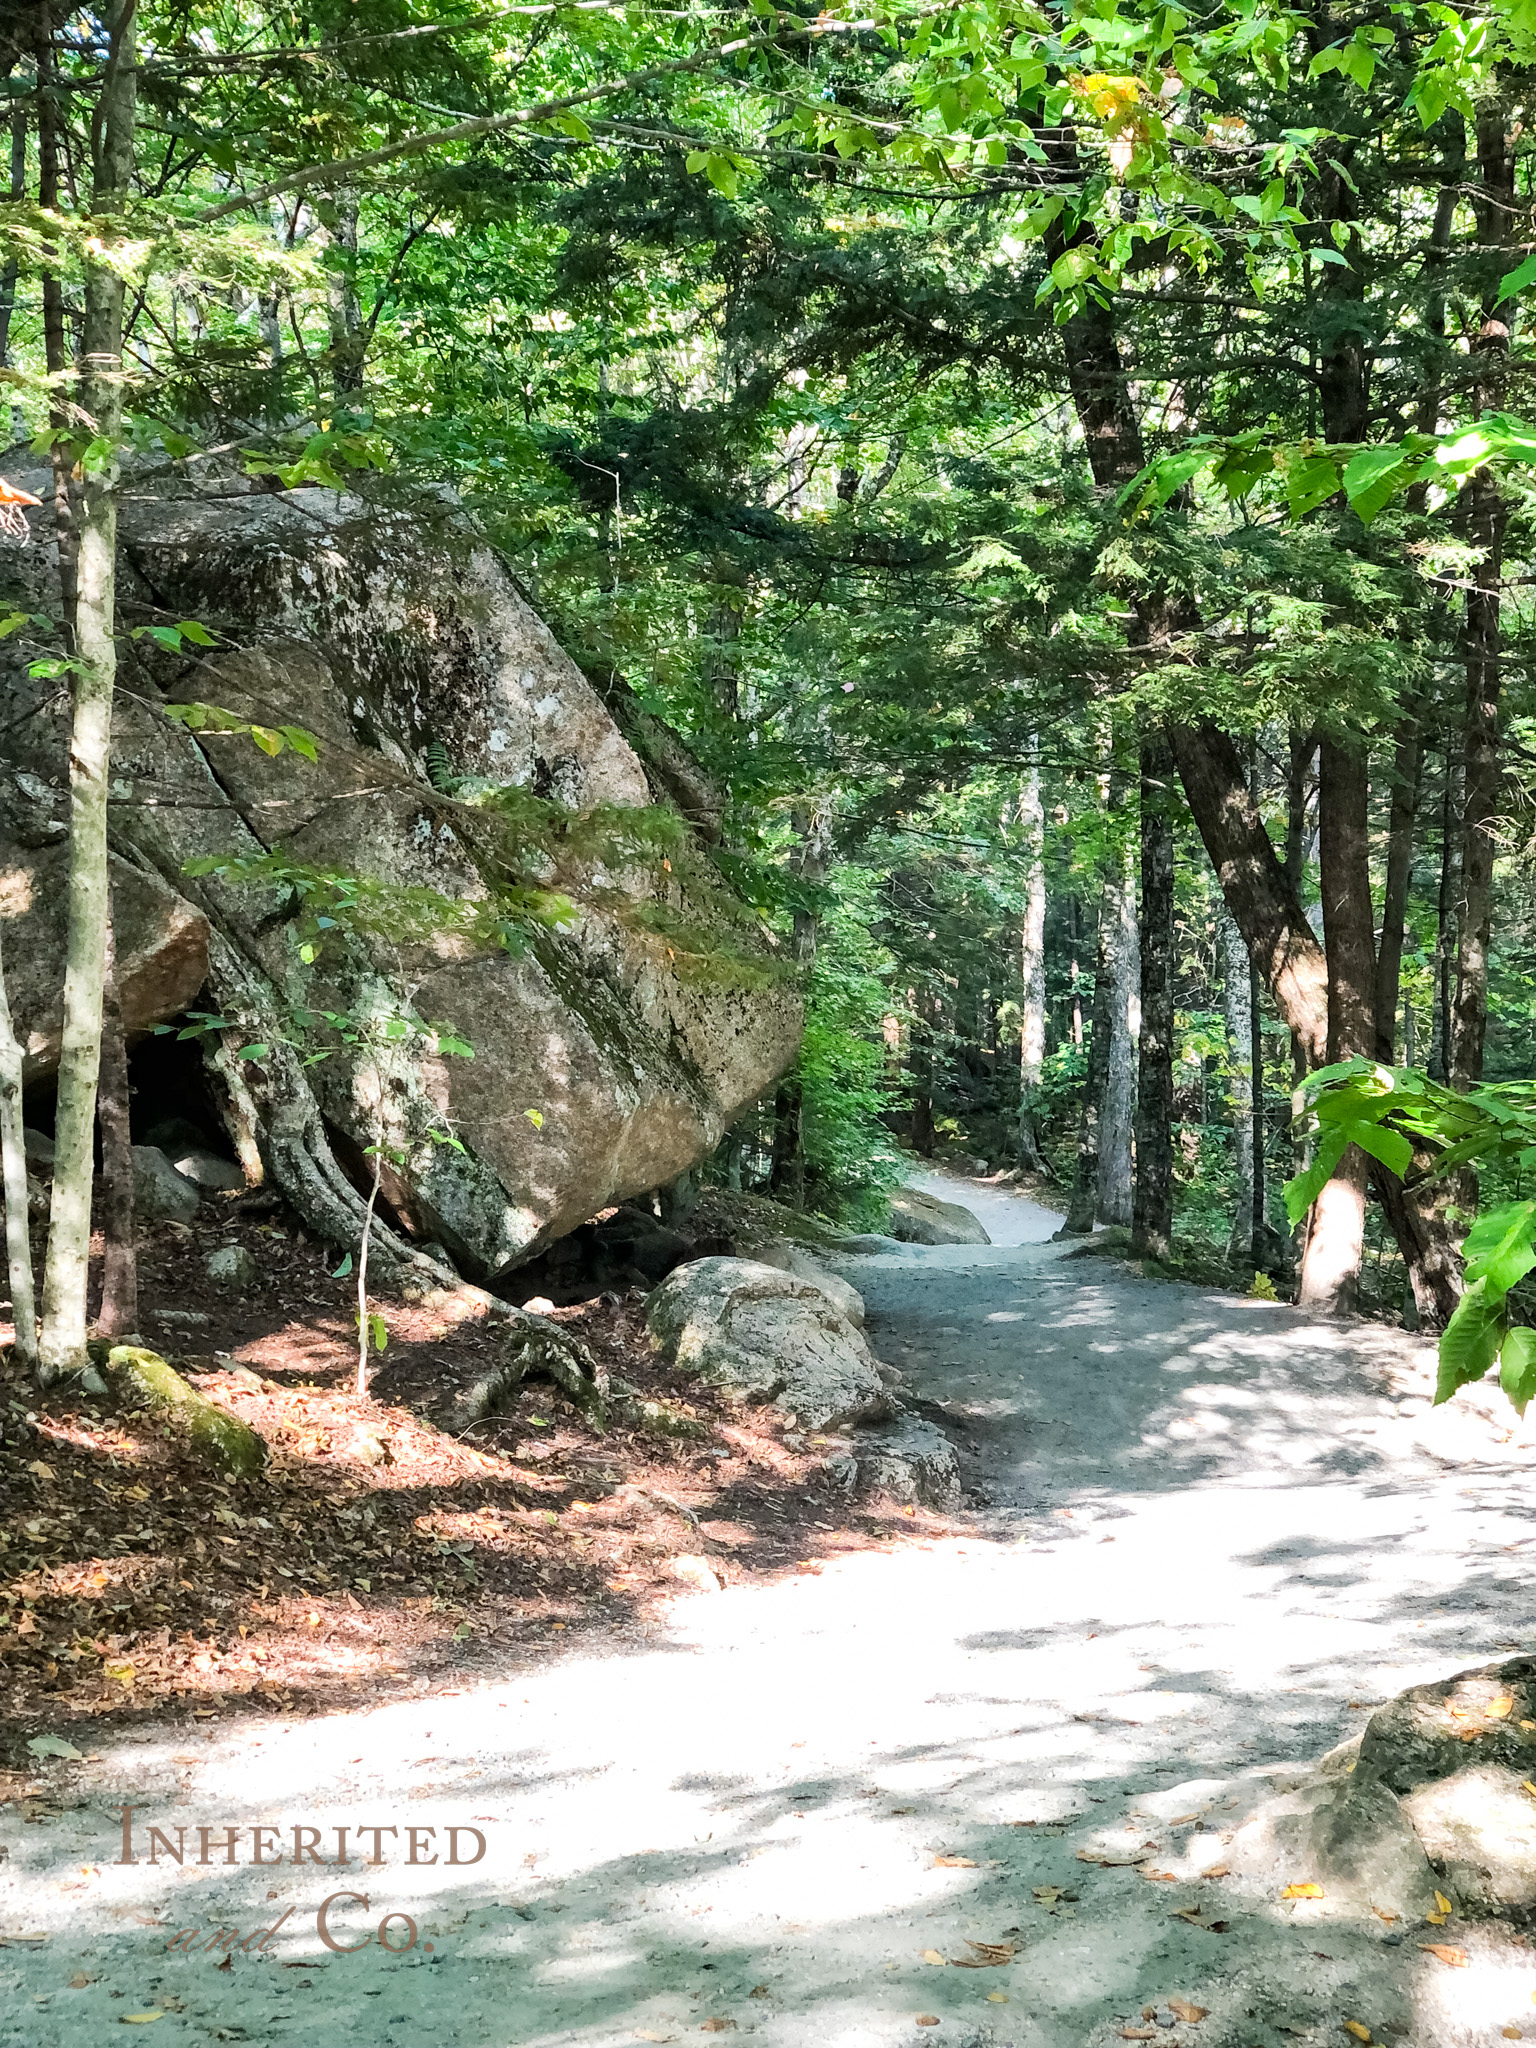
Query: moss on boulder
144, 1380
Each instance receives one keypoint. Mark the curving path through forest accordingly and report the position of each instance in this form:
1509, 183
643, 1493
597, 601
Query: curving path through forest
1211, 1532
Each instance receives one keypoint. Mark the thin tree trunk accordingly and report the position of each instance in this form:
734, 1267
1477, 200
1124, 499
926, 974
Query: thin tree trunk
1482, 783
1117, 1118
1442, 1028
348, 341
1075, 985
787, 1173
119, 1311
13, 1168
1259, 1233
65, 1273
1085, 1175
1487, 518
1237, 1005
1152, 1201
1407, 771
1031, 969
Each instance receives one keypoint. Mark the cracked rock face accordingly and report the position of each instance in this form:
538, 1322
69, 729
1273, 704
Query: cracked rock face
766, 1335
608, 1053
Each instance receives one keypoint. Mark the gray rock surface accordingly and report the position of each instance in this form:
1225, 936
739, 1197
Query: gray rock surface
789, 1257
162, 958
206, 1170
610, 1052
231, 1266
912, 1460
919, 1218
160, 1194
39, 1147
766, 1335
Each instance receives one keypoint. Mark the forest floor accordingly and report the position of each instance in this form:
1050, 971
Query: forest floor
841, 1801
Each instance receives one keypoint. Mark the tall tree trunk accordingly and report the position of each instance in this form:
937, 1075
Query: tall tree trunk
1330, 1272
1075, 969
65, 1273
1442, 1023
1085, 1173
119, 1311
1487, 518
1407, 770
1116, 1122
1031, 968
809, 862
1294, 968
13, 1172
1237, 1006
348, 341
1152, 1200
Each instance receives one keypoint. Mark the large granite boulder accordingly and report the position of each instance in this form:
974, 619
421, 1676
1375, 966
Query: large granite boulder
162, 948
765, 1335
918, 1218
621, 1006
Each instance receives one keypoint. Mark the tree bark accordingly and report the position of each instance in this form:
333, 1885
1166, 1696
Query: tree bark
119, 1311
348, 342
1117, 1120
786, 1176
65, 1274
1442, 1026
1085, 1173
1407, 772
1237, 1005
1031, 970
1487, 518
1152, 1199
13, 1169
1330, 1272
1257, 891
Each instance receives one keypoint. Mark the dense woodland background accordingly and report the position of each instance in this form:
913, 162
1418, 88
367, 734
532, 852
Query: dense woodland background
803, 389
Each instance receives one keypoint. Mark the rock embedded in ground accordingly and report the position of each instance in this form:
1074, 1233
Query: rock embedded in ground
39, 1147
160, 1193
911, 1461
206, 1170
918, 1218
761, 1334
144, 1380
1433, 1797
232, 1267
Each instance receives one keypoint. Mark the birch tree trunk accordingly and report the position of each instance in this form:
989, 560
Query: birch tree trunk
1032, 969
1152, 1199
65, 1274
13, 1166
1118, 1114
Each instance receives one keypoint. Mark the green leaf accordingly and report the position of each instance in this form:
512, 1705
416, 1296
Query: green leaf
343, 1269
535, 1117
302, 742
1309, 482
1304, 1190
1499, 1249
1517, 1367
1471, 1341
258, 1051
1371, 478
1389, 1146
1517, 280
189, 629
267, 738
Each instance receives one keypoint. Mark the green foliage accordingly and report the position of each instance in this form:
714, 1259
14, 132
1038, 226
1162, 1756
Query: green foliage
1410, 1122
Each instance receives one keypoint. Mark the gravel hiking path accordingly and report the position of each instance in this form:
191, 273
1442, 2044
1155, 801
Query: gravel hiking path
1211, 1532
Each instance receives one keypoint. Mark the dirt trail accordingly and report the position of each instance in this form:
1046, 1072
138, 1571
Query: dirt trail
1208, 1526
